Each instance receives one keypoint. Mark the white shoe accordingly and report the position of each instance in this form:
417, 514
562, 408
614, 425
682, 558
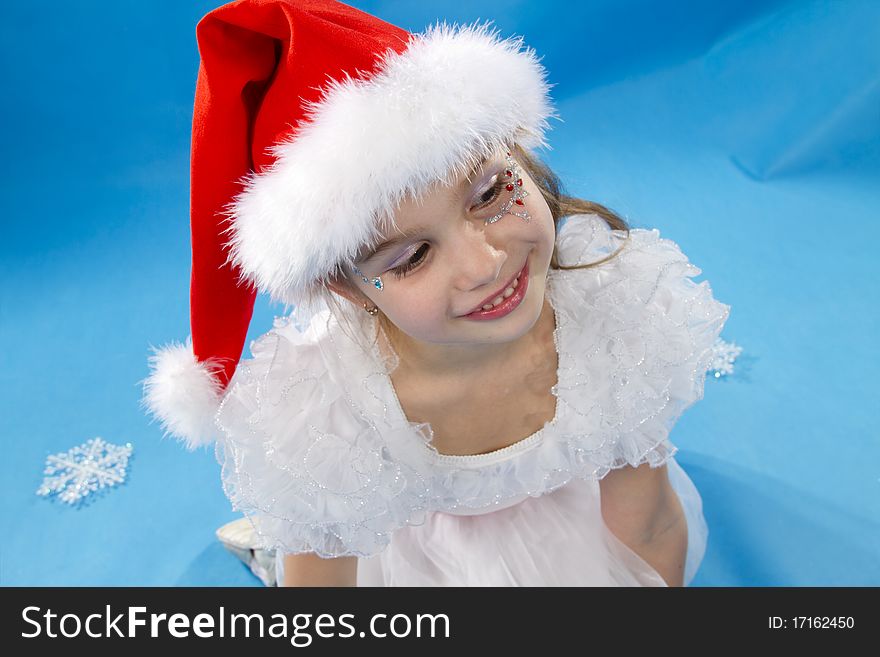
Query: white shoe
240, 538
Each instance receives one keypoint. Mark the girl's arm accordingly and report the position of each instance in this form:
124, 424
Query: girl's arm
666, 551
308, 569
641, 508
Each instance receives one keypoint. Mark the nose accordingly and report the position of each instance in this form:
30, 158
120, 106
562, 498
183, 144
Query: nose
477, 263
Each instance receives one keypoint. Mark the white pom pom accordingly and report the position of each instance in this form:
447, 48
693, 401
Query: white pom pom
183, 394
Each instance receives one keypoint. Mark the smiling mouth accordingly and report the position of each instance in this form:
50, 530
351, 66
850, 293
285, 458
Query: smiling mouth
489, 300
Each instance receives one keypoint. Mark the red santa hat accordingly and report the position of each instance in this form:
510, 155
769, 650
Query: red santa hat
312, 120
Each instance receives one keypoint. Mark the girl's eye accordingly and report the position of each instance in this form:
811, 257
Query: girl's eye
410, 264
486, 198
493, 193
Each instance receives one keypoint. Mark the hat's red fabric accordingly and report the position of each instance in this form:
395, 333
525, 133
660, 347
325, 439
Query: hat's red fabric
260, 59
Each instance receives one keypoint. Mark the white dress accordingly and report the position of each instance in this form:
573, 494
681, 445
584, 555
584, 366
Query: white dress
318, 453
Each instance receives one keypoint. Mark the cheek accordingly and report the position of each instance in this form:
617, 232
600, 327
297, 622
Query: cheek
414, 310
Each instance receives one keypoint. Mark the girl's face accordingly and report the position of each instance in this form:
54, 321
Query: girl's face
452, 260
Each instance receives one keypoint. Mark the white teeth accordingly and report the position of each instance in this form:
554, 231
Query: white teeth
509, 291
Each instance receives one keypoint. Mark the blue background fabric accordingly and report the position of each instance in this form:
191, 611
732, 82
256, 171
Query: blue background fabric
748, 132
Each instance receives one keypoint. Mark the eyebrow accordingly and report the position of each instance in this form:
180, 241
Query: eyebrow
409, 233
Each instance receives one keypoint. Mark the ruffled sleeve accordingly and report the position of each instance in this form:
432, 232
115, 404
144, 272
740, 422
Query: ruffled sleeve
298, 459
641, 335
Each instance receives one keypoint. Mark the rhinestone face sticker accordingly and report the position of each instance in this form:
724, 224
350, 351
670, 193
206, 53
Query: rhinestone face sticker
77, 473
377, 282
515, 185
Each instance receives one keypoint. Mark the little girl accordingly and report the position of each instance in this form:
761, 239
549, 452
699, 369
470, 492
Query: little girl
477, 383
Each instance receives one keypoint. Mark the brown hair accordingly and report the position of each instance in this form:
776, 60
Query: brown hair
560, 204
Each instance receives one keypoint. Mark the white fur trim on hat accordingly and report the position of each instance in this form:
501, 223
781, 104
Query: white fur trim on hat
430, 114
183, 394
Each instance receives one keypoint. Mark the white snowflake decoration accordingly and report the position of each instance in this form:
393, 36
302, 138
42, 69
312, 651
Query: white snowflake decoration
723, 355
79, 472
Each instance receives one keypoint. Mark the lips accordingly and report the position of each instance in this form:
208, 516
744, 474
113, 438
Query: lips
497, 294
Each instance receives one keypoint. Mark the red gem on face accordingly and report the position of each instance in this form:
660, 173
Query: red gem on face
509, 188
509, 173
519, 182
518, 202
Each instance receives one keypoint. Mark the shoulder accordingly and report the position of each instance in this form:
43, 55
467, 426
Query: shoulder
642, 330
312, 469
646, 275
585, 239
287, 377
